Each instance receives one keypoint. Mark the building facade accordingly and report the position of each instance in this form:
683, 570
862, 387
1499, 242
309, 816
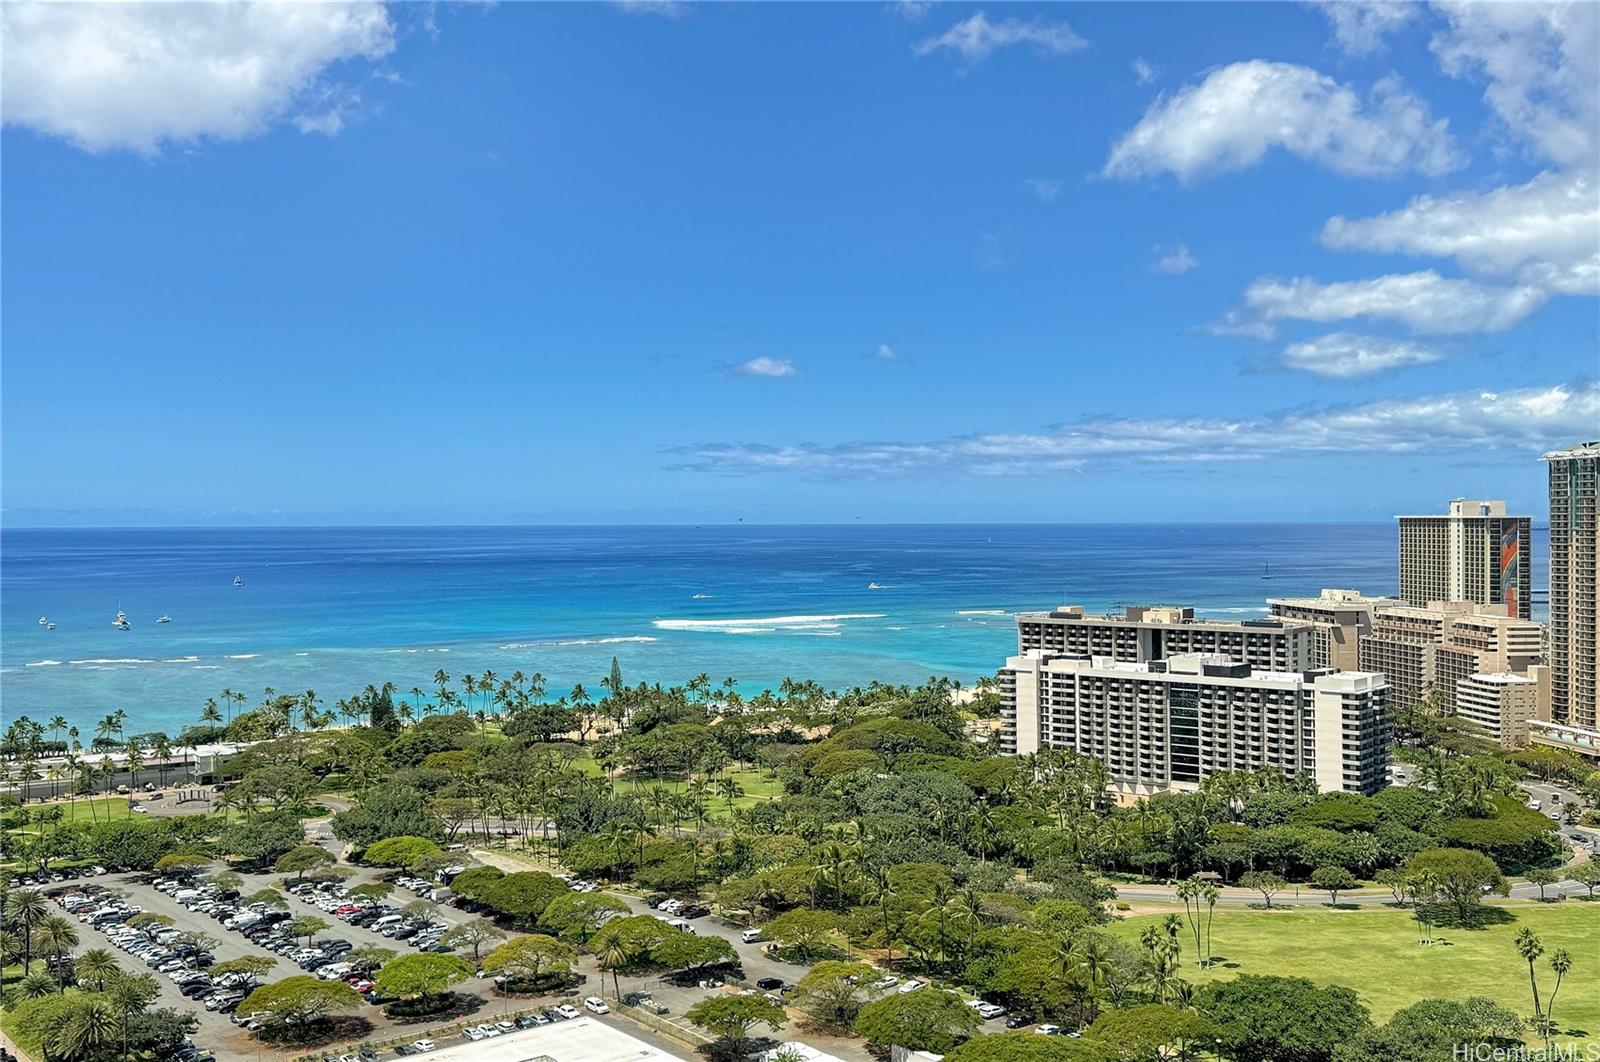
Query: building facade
1338, 618
1574, 591
1475, 552
1432, 649
1169, 724
1148, 633
1501, 703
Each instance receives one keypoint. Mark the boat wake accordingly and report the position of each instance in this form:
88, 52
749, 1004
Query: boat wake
620, 639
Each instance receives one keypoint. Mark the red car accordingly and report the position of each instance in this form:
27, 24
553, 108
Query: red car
362, 986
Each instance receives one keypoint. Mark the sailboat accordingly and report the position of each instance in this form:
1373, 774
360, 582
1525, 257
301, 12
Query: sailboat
43, 622
238, 580
121, 622
1266, 570
164, 619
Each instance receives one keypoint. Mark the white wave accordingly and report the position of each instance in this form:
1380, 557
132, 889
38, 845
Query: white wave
894, 628
112, 660
180, 660
207, 667
302, 654
761, 624
243, 656
819, 634
981, 612
615, 640
43, 663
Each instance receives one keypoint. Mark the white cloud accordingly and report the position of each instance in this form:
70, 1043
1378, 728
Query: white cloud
765, 366
1424, 302
1361, 25
1544, 233
1230, 120
1143, 72
1045, 189
1541, 62
137, 76
1526, 420
976, 38
1174, 260
1343, 355
910, 10
886, 353
661, 8
992, 253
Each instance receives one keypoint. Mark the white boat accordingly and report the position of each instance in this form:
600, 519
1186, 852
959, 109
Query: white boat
238, 580
49, 626
43, 622
121, 622
164, 619
874, 586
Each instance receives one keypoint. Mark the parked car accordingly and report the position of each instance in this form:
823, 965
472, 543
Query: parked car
596, 1005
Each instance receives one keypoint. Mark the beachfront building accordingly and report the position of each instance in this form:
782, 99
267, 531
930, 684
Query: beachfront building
1433, 648
1474, 552
1148, 633
1503, 704
1168, 724
1338, 618
1574, 588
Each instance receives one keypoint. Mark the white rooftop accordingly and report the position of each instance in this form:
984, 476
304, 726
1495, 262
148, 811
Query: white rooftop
580, 1040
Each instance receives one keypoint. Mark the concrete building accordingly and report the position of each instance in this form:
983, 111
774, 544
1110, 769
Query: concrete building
1432, 649
1500, 702
1574, 590
1169, 724
584, 1039
1338, 620
1148, 633
1475, 552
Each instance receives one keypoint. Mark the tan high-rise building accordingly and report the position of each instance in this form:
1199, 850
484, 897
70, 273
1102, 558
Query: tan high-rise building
1475, 552
1144, 633
1339, 618
1574, 591
1432, 649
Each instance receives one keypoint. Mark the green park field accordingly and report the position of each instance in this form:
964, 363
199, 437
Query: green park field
1374, 950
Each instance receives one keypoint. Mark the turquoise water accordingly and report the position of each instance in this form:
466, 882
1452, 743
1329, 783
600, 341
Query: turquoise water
334, 609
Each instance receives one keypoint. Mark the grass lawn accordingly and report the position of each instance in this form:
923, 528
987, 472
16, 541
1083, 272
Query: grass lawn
1374, 950
758, 785
85, 809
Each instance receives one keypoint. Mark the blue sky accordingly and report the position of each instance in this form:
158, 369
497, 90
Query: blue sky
638, 263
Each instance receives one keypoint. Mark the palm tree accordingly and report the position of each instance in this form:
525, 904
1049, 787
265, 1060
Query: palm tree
25, 909
416, 699
1529, 947
91, 1028
37, 986
95, 967
135, 765
57, 936
209, 714
162, 748
613, 956
58, 723
1560, 962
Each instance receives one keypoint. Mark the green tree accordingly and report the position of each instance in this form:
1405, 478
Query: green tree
254, 967
302, 858
1264, 882
1028, 1047
530, 958
1461, 877
302, 1000
1333, 880
399, 851
730, 1018
576, 916
422, 976
522, 897
925, 1020
835, 991
686, 951
307, 926
1542, 877
474, 934
803, 930
1152, 1031
1282, 1019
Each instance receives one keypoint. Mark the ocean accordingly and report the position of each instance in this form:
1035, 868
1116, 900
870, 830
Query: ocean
332, 609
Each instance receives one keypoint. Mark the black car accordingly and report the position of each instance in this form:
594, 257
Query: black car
197, 989
1017, 1021
770, 984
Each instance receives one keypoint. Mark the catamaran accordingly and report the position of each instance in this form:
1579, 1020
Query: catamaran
121, 622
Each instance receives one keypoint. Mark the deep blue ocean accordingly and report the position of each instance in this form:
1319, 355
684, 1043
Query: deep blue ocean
334, 609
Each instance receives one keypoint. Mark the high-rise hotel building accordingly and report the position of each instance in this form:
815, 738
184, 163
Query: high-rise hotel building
1475, 552
1146, 633
1574, 591
1169, 724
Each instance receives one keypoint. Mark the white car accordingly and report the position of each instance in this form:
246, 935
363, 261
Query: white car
910, 986
987, 1010
885, 983
1047, 1030
423, 1045
596, 1005
567, 1010
474, 1033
